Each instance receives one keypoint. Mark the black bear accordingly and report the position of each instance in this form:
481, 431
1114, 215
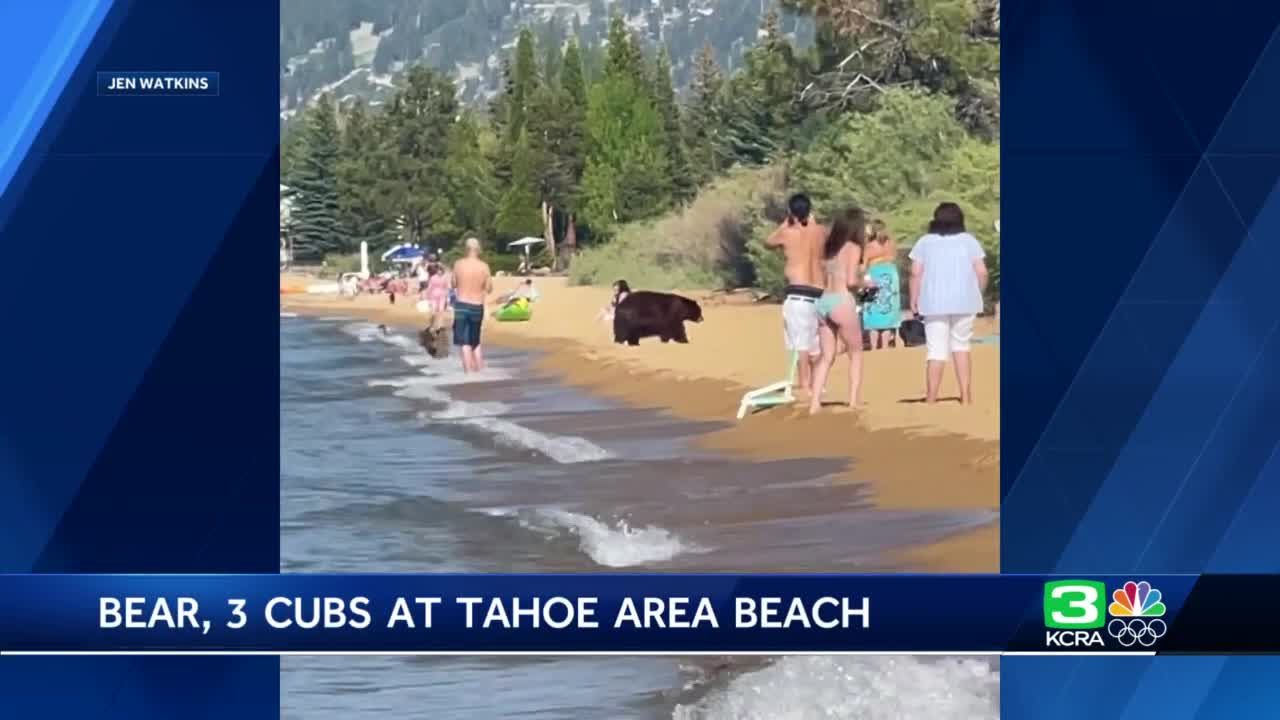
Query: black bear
435, 341
654, 314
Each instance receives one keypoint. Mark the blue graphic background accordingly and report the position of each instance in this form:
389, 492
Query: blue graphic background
139, 428
1140, 154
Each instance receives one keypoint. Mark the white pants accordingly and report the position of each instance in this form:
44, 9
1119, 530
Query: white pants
800, 325
946, 334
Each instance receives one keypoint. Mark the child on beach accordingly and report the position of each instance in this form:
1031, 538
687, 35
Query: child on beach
437, 293
620, 292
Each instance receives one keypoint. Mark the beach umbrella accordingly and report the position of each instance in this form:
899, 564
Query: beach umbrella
403, 254
526, 243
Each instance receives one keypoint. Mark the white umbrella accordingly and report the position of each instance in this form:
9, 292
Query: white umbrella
526, 243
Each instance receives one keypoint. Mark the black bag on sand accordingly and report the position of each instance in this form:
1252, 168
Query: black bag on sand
912, 332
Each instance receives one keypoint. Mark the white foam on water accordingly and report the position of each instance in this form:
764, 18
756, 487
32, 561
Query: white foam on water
452, 374
458, 410
397, 382
362, 331
400, 341
368, 332
288, 315
619, 545
423, 391
861, 688
564, 449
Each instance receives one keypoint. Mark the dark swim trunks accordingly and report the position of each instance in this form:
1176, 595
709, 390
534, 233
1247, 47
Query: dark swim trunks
467, 318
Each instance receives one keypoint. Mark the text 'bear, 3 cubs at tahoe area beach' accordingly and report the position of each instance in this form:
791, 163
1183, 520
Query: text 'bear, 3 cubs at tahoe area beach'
495, 612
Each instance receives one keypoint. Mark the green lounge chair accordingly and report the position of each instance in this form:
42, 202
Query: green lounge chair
779, 393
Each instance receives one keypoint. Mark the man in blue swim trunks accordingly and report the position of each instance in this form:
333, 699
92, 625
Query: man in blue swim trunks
473, 283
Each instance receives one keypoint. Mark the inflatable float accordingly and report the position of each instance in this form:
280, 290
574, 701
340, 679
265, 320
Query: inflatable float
515, 311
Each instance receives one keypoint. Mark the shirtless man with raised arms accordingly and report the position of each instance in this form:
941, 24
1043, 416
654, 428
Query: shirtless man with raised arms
473, 282
801, 239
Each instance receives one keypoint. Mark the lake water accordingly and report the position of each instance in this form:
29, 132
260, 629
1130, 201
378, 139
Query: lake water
393, 462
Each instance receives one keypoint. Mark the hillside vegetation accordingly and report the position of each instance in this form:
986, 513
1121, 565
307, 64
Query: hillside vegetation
895, 108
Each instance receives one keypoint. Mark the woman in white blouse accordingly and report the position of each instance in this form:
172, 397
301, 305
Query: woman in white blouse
948, 277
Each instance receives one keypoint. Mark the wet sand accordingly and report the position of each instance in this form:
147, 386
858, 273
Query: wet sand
913, 457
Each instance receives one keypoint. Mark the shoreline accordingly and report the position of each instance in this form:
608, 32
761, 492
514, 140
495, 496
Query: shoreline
958, 470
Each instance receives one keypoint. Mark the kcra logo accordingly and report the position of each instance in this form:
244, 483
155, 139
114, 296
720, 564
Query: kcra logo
1075, 613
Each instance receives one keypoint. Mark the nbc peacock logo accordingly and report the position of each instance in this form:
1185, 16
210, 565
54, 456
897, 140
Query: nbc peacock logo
1136, 610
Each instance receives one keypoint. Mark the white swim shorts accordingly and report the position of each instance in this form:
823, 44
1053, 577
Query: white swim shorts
800, 324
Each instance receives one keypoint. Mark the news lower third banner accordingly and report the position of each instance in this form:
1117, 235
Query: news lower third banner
667, 614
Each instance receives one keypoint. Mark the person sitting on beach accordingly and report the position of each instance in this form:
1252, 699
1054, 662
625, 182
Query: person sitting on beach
882, 315
620, 292
523, 291
948, 277
838, 306
473, 282
800, 238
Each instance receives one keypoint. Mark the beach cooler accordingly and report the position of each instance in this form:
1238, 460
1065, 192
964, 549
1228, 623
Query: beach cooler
779, 393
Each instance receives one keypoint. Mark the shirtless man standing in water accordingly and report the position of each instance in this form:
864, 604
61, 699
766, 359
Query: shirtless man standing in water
801, 239
473, 282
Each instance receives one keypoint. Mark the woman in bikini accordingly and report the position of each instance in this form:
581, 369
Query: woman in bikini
841, 320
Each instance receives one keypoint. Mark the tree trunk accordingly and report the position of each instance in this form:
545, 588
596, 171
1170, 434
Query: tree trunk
549, 233
570, 239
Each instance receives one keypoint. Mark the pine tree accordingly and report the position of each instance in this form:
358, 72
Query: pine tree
420, 118
623, 57
760, 116
773, 78
703, 126
572, 76
500, 106
469, 179
626, 176
363, 216
317, 229
551, 66
500, 118
949, 46
520, 213
552, 44
683, 184
525, 81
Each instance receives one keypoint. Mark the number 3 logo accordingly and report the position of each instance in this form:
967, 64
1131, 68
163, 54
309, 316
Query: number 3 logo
1074, 604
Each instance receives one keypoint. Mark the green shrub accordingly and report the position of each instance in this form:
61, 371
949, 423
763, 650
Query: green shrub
704, 245
899, 162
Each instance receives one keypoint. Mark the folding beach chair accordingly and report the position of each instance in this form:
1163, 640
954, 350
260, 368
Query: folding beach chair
778, 393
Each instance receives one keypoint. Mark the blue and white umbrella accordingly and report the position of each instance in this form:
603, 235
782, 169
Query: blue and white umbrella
403, 254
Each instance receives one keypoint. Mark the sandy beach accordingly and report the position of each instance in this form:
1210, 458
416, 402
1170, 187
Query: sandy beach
914, 456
